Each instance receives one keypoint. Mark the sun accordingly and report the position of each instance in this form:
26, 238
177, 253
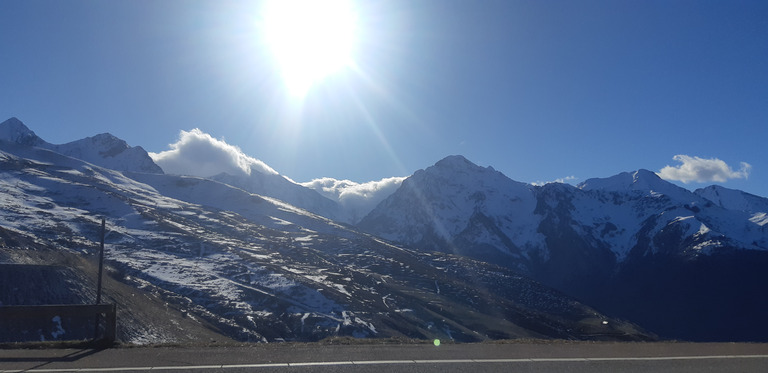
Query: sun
309, 39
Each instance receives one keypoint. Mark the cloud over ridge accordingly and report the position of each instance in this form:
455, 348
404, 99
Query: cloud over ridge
197, 153
561, 180
357, 198
703, 170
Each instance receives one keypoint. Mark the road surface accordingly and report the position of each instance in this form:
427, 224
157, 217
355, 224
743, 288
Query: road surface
305, 358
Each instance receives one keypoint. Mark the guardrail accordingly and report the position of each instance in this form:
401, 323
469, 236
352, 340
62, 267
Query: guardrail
109, 311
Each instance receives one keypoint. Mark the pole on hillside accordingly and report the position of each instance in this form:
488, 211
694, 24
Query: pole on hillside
101, 261
101, 271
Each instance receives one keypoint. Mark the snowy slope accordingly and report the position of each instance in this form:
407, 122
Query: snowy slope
341, 200
279, 187
258, 269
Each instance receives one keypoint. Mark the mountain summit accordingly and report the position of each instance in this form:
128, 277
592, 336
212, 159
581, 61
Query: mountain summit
103, 150
458, 207
734, 199
13, 130
640, 181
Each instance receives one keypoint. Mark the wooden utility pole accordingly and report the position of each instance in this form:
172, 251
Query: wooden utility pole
101, 261
101, 271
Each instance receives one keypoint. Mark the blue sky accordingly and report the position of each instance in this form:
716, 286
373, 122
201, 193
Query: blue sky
540, 90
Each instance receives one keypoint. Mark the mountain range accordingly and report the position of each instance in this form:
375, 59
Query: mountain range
191, 258
457, 251
104, 149
684, 264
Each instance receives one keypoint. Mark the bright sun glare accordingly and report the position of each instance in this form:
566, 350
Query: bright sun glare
309, 39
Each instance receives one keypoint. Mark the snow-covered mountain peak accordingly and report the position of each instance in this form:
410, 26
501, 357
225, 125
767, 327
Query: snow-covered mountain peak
106, 144
103, 150
455, 165
108, 139
455, 162
619, 182
643, 174
642, 181
455, 170
457, 200
732, 199
109, 151
15, 131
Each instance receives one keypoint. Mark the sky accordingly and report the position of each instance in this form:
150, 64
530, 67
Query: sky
542, 90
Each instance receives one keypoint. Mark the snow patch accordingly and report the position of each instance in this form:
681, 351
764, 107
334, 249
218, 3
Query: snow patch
760, 219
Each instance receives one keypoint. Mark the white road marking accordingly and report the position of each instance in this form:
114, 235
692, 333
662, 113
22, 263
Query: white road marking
382, 362
446, 361
386, 362
319, 363
190, 367
270, 365
107, 369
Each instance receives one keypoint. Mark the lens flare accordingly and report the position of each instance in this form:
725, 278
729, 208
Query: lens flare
310, 39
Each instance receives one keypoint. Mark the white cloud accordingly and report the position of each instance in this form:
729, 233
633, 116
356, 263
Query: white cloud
566, 179
197, 153
359, 199
703, 170
329, 187
562, 180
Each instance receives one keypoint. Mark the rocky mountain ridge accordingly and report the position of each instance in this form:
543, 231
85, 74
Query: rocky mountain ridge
103, 150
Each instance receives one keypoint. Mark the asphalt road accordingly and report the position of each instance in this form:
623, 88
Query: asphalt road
515, 357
